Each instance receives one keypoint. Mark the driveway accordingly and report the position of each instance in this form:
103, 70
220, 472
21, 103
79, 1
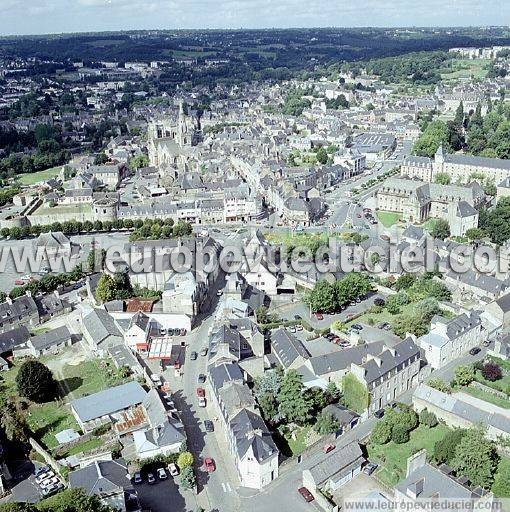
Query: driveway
162, 496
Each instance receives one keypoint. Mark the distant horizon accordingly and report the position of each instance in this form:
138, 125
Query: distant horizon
253, 29
65, 17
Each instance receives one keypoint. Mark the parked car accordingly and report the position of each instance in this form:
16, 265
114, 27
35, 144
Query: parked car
162, 474
137, 479
357, 327
379, 414
370, 468
307, 495
200, 392
209, 426
475, 350
173, 469
204, 351
52, 489
201, 378
183, 332
43, 476
48, 482
297, 317
209, 465
40, 470
162, 332
319, 316
151, 479
202, 402
486, 343
193, 355
328, 448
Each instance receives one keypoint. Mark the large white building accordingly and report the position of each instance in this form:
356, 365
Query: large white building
450, 339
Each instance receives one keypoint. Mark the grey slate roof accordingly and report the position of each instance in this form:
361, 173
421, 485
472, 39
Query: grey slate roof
390, 359
101, 326
54, 337
434, 483
105, 476
249, 430
287, 347
109, 401
223, 373
13, 338
336, 463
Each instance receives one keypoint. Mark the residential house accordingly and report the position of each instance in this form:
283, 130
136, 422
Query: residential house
17, 312
334, 469
110, 481
288, 350
249, 440
100, 330
389, 374
449, 339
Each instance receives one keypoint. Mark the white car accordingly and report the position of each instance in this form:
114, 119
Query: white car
162, 474
202, 401
44, 476
174, 470
48, 482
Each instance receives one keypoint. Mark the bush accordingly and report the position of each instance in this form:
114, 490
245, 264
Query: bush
428, 418
185, 460
492, 372
381, 433
399, 434
379, 302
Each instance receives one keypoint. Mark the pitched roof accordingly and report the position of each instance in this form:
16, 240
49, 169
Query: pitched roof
287, 347
109, 401
100, 477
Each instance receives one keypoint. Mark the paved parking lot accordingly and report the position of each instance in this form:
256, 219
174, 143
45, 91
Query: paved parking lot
164, 495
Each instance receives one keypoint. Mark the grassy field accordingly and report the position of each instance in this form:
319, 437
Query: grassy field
48, 419
388, 219
86, 446
465, 68
298, 445
35, 177
88, 377
487, 397
393, 457
64, 209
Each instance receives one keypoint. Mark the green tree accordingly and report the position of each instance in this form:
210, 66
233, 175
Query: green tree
105, 290
182, 229
139, 161
322, 156
404, 282
381, 433
294, 406
440, 229
475, 233
443, 178
464, 375
399, 434
322, 298
14, 422
444, 449
476, 458
187, 478
100, 159
73, 500
35, 382
185, 460
326, 423
436, 134
501, 485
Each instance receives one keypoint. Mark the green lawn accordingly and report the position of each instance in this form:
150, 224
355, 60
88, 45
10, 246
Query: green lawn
487, 397
393, 457
388, 219
298, 445
465, 68
35, 177
48, 419
64, 209
88, 377
86, 446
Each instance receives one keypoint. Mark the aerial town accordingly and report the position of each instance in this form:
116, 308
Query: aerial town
236, 278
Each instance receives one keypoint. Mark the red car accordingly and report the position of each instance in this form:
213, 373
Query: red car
209, 465
307, 495
200, 392
319, 316
328, 448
